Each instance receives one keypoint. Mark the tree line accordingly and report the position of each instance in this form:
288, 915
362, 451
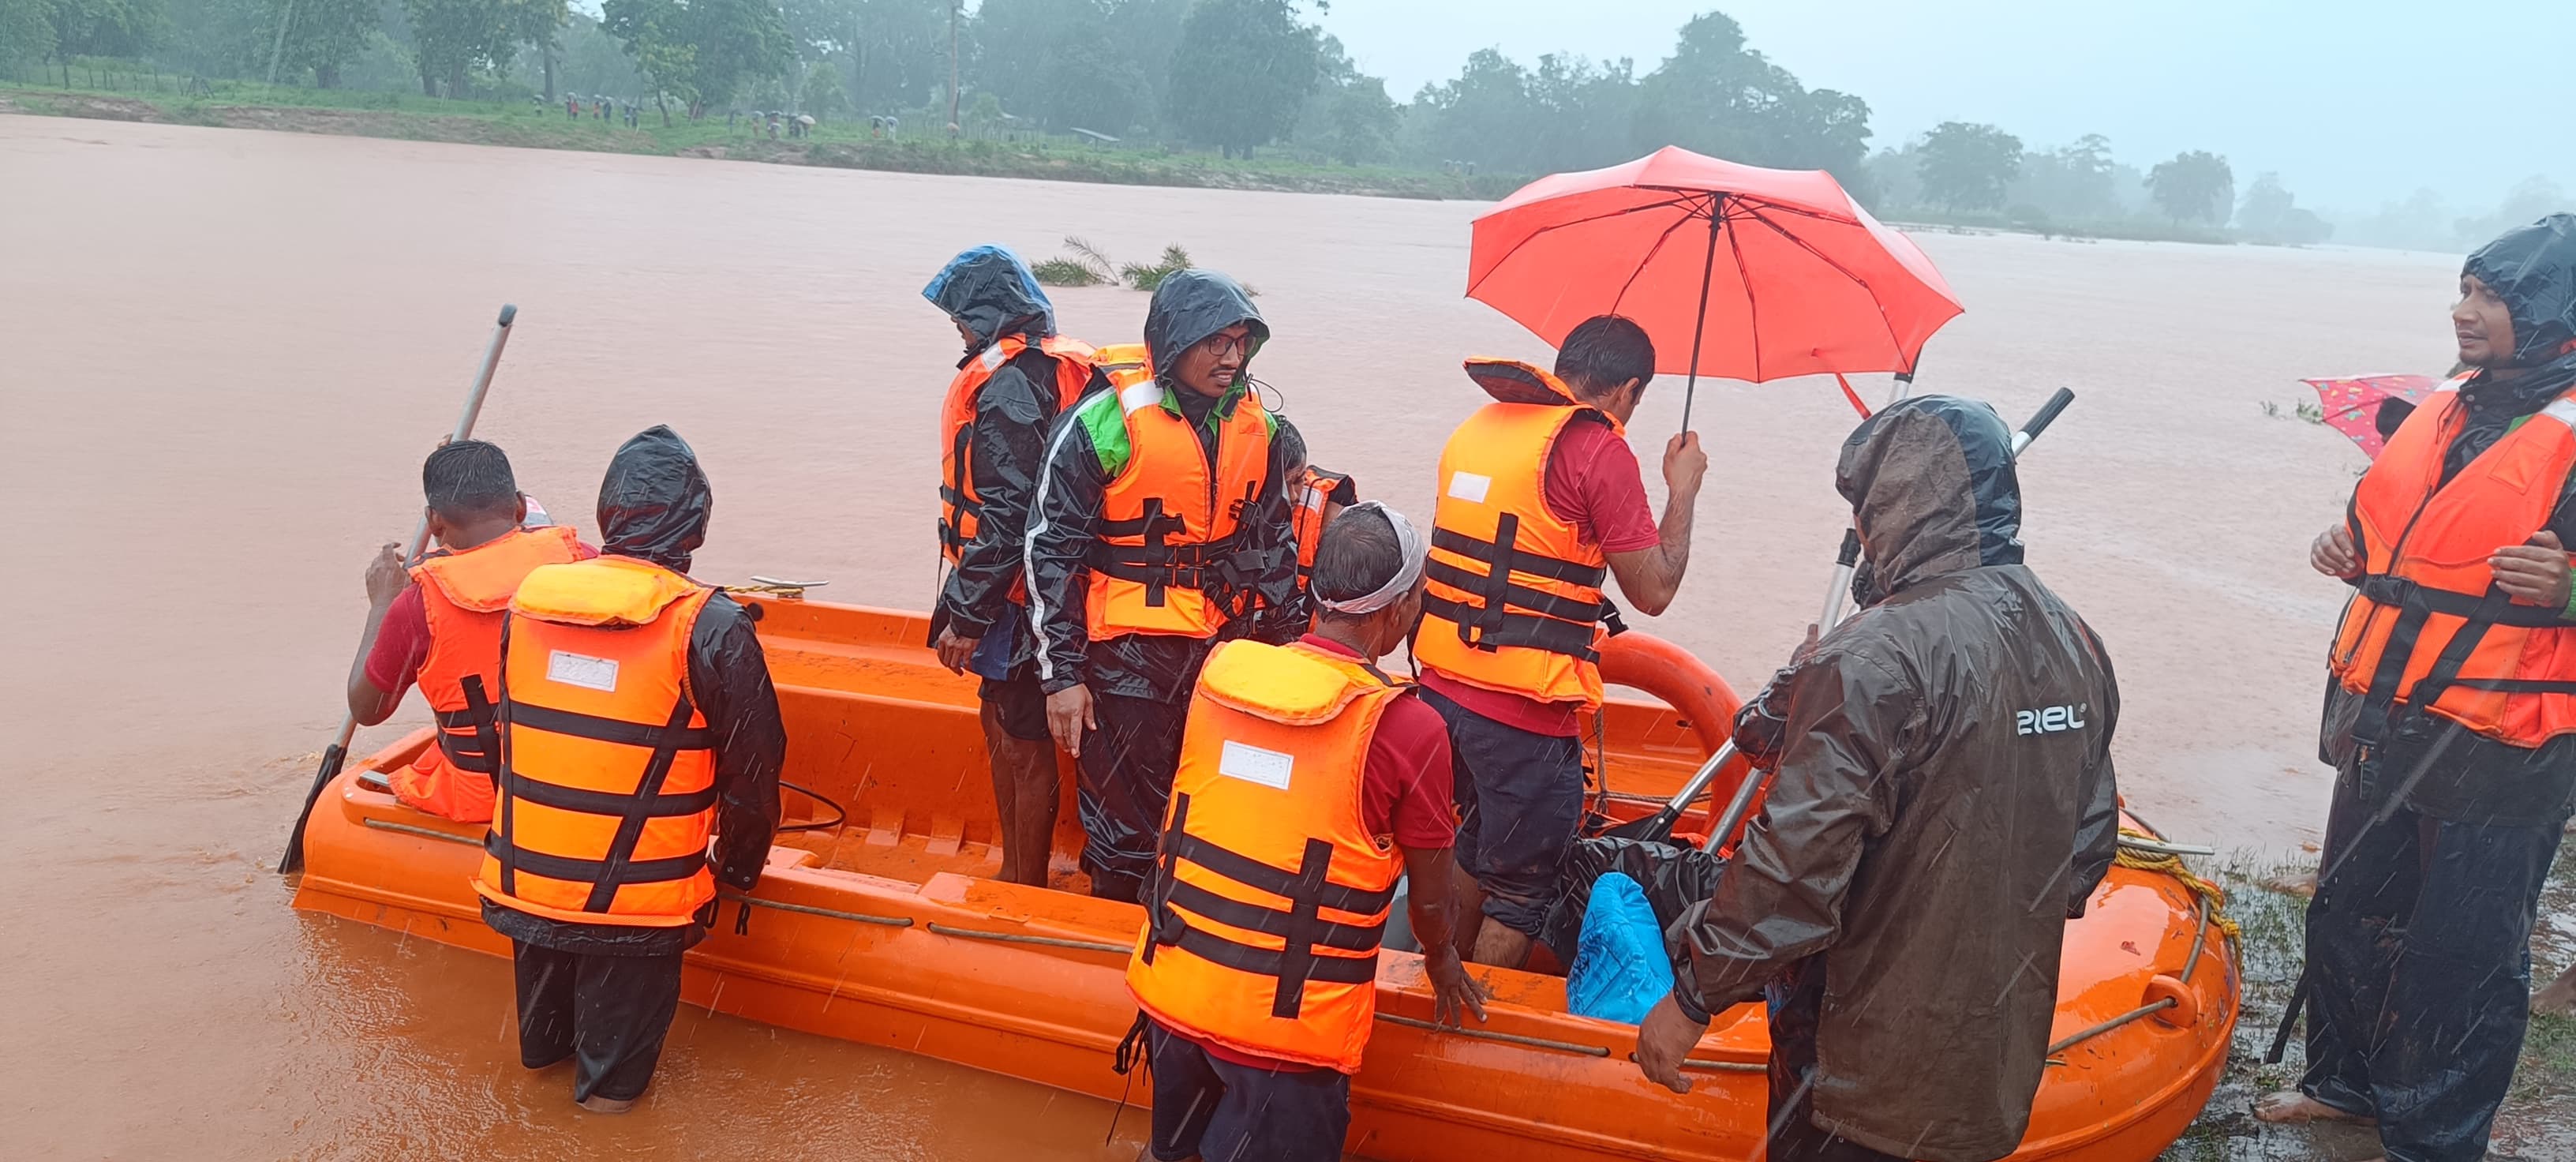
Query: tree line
1973, 171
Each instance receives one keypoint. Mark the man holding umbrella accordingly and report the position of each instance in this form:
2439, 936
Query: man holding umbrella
2452, 724
1540, 498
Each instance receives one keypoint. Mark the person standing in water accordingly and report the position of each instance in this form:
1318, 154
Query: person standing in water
438, 623
1161, 522
1016, 377
1902, 898
639, 730
2451, 722
1540, 489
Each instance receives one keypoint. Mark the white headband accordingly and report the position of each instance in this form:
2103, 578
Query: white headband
1408, 543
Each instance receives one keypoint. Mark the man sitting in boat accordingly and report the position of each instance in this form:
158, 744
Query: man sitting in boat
438, 623
639, 724
1161, 522
1315, 497
1309, 781
1016, 377
1943, 803
1540, 483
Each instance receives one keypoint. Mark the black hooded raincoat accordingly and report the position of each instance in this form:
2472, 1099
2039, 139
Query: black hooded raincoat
992, 292
654, 507
1944, 803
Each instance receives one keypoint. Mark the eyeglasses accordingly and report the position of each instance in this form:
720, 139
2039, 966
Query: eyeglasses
1220, 345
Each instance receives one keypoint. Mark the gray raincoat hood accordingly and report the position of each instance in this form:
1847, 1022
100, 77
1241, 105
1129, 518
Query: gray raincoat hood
1959, 504
1191, 305
655, 503
990, 290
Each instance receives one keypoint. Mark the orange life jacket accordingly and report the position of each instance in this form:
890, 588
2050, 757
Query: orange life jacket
1126, 364
2429, 628
1512, 600
608, 795
1308, 497
1164, 558
465, 595
1270, 895
960, 508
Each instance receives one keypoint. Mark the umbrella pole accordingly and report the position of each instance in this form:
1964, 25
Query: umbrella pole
1699, 323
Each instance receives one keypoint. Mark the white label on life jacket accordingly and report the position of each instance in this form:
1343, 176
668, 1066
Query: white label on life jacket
993, 357
582, 670
1469, 487
1252, 764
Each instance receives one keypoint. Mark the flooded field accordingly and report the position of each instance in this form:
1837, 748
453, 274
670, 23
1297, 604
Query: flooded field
222, 354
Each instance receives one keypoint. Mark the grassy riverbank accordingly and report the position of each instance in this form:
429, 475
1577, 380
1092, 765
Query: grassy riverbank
2538, 1120
843, 145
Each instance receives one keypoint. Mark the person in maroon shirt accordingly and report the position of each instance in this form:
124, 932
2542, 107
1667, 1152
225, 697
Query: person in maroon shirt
1214, 1102
1520, 796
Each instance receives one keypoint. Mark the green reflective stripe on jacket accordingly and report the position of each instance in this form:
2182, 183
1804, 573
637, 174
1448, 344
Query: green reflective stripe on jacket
1104, 419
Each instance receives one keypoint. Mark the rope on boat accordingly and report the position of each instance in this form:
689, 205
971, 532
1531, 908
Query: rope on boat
1023, 938
1488, 1035
423, 832
2136, 855
2072, 1040
810, 910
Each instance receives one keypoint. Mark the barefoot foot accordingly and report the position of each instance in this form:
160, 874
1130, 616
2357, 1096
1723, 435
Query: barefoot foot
2291, 1108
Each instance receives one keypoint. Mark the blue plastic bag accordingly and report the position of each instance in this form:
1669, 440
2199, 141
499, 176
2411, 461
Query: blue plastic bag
1620, 969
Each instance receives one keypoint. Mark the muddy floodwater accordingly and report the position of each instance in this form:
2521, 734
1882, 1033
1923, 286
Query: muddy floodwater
223, 353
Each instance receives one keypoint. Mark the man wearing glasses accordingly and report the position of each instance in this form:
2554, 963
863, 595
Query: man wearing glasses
1160, 524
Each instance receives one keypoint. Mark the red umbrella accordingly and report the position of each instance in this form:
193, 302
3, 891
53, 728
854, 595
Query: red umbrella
1769, 273
2352, 403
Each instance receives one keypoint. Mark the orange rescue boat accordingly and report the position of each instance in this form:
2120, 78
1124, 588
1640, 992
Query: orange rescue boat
887, 929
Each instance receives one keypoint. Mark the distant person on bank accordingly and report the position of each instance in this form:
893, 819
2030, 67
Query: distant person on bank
437, 623
640, 728
2451, 721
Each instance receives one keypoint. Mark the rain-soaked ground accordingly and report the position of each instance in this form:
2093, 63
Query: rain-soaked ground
2538, 1122
222, 354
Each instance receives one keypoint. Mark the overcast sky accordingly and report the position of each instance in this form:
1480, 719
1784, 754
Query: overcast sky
2354, 102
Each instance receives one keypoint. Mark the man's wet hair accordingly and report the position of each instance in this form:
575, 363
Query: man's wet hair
1359, 553
1290, 442
1603, 352
468, 479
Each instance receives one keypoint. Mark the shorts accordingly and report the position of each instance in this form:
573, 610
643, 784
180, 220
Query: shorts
1520, 803
1224, 1111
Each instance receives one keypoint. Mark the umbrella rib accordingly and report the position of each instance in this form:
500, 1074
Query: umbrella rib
1649, 259
1752, 302
1875, 304
1533, 235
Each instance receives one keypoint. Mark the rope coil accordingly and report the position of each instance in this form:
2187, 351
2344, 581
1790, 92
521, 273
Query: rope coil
2215, 897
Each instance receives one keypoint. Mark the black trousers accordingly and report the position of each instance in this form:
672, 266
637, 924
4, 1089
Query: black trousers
2419, 968
1796, 1003
1127, 766
1223, 1111
608, 1013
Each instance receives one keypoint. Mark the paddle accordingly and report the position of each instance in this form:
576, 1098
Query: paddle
1659, 826
338, 752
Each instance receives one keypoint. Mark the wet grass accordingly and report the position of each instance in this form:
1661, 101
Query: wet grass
844, 144
2538, 1119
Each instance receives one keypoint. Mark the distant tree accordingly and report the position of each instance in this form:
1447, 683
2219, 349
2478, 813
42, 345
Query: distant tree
120, 28
701, 51
1349, 118
1966, 167
2270, 213
2194, 186
823, 96
1484, 116
455, 38
2529, 199
1241, 74
539, 24
26, 31
2071, 182
1054, 62
1148, 32
1582, 115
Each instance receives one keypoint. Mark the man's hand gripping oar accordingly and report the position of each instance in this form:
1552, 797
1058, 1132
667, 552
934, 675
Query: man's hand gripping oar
338, 752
